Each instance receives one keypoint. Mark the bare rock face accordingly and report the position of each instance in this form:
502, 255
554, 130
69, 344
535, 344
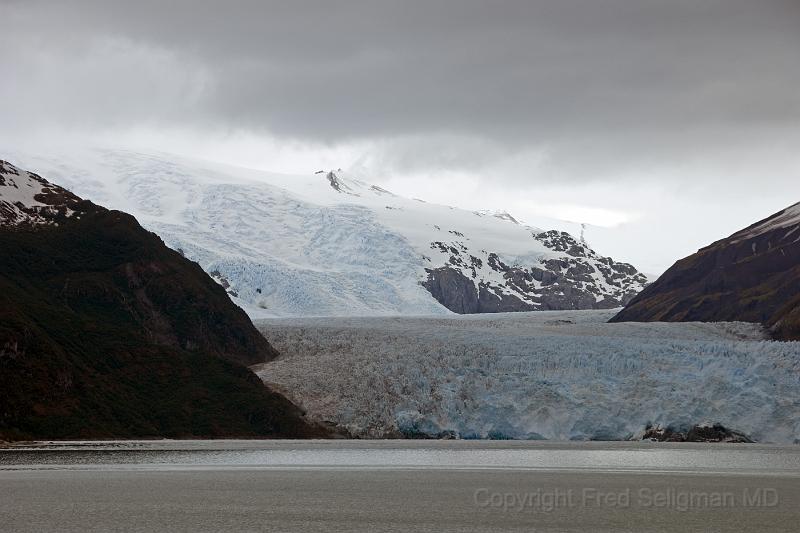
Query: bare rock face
574, 277
696, 433
751, 276
453, 290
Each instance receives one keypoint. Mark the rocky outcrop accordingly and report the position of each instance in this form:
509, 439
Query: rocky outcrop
751, 276
696, 433
453, 290
574, 277
338, 185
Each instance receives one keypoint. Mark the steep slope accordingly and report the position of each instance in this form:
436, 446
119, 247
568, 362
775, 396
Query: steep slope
106, 332
329, 244
753, 276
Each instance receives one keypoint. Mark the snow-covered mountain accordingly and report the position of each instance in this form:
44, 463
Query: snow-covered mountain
329, 244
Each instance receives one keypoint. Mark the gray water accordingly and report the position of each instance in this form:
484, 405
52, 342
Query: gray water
398, 486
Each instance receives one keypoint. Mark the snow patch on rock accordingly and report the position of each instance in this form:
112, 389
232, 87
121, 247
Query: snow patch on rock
28, 199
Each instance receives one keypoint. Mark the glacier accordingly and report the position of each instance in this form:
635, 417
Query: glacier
562, 375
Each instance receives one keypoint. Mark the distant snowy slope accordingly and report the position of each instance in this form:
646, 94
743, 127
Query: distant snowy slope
329, 244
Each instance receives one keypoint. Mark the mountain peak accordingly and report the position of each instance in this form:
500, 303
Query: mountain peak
338, 184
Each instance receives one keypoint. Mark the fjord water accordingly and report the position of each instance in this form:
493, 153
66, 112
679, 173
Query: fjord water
399, 486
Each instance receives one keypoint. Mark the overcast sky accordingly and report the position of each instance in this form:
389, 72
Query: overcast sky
671, 123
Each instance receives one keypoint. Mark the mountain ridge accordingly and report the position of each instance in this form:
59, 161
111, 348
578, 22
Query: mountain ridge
753, 275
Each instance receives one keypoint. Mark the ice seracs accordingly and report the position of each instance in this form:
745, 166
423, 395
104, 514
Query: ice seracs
557, 375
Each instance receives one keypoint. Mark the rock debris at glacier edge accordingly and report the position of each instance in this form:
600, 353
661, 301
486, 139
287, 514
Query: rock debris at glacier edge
553, 375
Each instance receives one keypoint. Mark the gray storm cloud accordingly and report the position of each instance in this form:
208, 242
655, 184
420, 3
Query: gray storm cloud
603, 87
